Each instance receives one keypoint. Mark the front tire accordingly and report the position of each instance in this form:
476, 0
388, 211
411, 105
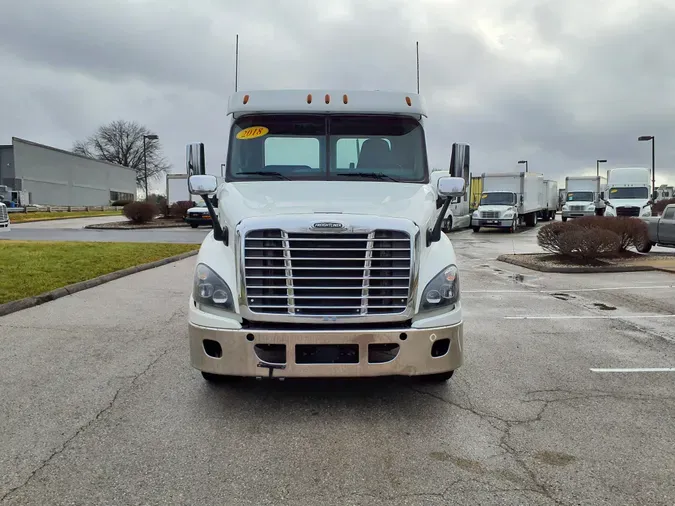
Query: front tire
644, 246
194, 225
564, 218
475, 229
514, 226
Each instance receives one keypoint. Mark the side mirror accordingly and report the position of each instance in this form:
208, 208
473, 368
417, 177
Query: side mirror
202, 184
602, 195
451, 186
194, 159
459, 160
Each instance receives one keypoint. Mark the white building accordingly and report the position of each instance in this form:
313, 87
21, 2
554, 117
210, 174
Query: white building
58, 177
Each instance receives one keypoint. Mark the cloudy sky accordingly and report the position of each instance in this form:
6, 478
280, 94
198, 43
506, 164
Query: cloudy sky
559, 83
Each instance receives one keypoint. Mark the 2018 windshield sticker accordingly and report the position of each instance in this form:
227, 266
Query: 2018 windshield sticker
252, 132
613, 190
484, 196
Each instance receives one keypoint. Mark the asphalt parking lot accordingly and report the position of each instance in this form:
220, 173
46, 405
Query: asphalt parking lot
100, 406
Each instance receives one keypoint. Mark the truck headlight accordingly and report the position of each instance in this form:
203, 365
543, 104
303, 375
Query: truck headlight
508, 214
442, 290
209, 289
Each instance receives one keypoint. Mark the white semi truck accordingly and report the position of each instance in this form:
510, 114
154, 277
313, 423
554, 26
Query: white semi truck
326, 257
510, 199
583, 196
4, 218
628, 192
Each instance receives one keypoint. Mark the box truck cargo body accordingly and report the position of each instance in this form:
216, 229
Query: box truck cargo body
550, 200
583, 196
509, 199
628, 192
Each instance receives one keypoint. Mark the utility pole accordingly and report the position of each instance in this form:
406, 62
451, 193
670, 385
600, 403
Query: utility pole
236, 64
650, 138
417, 48
151, 137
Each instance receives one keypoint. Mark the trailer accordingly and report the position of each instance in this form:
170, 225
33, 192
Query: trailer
550, 200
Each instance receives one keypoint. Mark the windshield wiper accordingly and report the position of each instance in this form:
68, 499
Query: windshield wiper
278, 175
372, 175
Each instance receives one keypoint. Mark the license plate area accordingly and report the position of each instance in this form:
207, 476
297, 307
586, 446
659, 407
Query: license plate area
493, 222
326, 353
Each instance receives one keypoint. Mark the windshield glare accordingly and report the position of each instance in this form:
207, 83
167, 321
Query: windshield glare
498, 199
629, 193
580, 197
322, 147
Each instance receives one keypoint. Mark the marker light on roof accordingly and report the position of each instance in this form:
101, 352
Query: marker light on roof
327, 98
245, 99
309, 98
408, 101
344, 99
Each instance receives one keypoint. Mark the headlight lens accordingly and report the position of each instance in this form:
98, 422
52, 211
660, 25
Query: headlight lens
209, 289
442, 290
508, 214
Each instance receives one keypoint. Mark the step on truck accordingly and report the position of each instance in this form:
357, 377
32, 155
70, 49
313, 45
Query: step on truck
326, 257
509, 199
628, 192
584, 196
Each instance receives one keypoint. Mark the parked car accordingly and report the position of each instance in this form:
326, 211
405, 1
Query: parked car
661, 230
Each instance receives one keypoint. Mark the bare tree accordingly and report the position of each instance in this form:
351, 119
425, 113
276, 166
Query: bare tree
121, 142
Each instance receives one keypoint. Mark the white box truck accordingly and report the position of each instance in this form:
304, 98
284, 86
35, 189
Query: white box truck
326, 257
583, 196
509, 199
550, 200
4, 218
458, 214
628, 192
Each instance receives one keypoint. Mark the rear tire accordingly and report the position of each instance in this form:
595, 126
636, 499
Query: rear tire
446, 225
644, 247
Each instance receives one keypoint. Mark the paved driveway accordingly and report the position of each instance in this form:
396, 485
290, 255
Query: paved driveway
100, 406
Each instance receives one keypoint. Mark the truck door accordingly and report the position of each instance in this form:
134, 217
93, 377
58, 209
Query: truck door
666, 230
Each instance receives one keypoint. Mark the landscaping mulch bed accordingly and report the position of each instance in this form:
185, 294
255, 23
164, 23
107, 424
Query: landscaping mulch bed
128, 225
626, 262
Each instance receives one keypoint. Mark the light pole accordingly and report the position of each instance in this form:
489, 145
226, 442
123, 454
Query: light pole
525, 162
597, 166
151, 137
650, 138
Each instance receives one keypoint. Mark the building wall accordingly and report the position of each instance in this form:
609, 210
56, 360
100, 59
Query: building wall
7, 165
60, 178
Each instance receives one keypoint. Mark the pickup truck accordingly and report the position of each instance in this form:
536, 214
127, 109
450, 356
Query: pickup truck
661, 230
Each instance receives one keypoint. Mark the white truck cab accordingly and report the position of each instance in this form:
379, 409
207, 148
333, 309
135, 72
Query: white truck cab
326, 257
628, 192
583, 196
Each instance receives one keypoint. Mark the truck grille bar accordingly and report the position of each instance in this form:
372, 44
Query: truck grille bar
628, 211
327, 274
489, 214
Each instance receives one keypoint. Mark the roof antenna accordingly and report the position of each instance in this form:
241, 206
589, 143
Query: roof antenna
417, 46
236, 64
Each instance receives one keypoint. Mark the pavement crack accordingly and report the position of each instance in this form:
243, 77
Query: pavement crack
81, 429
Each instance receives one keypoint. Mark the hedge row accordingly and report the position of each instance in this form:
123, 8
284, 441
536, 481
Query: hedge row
593, 236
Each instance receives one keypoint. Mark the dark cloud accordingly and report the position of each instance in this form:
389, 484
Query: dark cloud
558, 83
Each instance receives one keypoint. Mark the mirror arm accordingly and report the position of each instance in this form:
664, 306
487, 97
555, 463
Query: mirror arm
434, 235
218, 233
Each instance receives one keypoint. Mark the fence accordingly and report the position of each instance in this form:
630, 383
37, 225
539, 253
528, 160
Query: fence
62, 209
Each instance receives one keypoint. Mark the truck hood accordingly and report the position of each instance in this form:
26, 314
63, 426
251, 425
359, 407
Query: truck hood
628, 202
496, 208
241, 200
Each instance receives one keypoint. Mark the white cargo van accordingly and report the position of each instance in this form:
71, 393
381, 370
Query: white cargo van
326, 257
583, 196
508, 199
628, 192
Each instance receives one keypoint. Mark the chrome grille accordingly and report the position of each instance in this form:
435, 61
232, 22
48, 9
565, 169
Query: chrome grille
628, 211
327, 274
577, 208
3, 214
489, 214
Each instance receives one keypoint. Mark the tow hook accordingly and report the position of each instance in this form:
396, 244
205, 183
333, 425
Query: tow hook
271, 368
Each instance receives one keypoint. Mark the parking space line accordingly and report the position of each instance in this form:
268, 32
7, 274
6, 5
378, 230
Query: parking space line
636, 369
589, 317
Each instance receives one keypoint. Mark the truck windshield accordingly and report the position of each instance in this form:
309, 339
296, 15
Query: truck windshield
498, 199
629, 193
323, 147
580, 197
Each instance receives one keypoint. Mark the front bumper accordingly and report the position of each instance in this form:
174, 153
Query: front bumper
492, 222
199, 220
241, 351
578, 214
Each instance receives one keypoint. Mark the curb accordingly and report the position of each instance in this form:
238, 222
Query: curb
106, 226
575, 270
28, 302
